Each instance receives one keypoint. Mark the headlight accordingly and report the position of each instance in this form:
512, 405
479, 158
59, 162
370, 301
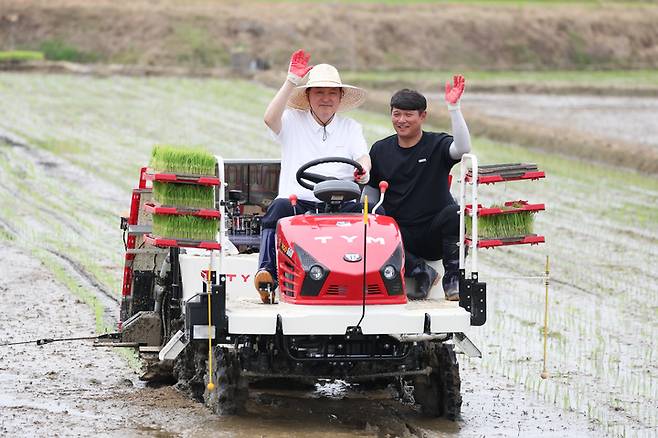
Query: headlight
389, 272
316, 272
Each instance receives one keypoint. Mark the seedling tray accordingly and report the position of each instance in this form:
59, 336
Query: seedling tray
482, 211
165, 242
182, 178
532, 239
494, 173
153, 207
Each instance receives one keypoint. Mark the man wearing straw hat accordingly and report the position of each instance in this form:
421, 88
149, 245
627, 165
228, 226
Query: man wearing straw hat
416, 164
303, 119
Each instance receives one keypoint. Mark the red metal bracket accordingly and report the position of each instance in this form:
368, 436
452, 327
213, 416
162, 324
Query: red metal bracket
183, 179
155, 208
178, 243
532, 239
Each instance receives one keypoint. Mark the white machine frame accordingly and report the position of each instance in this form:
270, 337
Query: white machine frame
248, 316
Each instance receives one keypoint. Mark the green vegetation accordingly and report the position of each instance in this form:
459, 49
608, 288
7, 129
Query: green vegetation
20, 55
63, 146
6, 235
183, 195
182, 160
502, 225
195, 46
184, 227
607, 78
57, 50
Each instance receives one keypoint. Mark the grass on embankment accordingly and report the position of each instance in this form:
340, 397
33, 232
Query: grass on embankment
20, 55
556, 81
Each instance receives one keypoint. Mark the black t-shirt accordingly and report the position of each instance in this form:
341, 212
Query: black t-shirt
417, 176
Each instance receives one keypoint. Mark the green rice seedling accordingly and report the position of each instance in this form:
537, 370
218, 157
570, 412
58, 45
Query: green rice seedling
183, 195
182, 160
20, 55
184, 227
57, 50
503, 225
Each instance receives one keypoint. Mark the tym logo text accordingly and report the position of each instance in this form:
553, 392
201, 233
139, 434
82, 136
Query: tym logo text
352, 239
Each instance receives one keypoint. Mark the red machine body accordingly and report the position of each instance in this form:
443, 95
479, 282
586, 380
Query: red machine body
335, 244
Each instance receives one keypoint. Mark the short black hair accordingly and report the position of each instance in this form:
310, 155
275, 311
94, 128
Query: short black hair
407, 99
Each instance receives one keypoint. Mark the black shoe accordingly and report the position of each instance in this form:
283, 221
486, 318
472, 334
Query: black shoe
425, 277
450, 280
450, 284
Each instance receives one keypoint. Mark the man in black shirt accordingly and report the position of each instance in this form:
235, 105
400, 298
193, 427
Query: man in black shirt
416, 165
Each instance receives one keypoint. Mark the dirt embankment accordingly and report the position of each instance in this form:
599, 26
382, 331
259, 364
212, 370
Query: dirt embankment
205, 33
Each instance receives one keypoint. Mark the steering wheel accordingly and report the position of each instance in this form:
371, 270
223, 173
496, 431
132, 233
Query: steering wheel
303, 175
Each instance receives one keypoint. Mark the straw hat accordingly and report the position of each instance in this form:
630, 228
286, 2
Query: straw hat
325, 75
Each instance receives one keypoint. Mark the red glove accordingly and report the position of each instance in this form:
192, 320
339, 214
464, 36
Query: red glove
454, 92
361, 177
298, 67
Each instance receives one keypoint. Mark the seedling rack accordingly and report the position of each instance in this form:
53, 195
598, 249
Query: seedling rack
514, 208
139, 237
155, 208
493, 173
472, 293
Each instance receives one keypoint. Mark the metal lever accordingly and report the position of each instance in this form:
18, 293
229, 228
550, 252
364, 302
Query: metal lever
383, 186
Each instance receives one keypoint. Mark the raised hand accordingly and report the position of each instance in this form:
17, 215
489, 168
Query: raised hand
361, 177
298, 66
454, 92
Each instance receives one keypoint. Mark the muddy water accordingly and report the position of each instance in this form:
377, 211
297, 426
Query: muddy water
75, 389
631, 119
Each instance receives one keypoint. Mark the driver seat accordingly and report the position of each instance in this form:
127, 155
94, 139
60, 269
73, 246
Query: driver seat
334, 192
372, 194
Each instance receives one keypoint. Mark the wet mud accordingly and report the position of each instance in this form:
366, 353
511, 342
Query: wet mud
76, 389
630, 119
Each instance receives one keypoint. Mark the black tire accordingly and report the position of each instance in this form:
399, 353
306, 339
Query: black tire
231, 390
439, 392
189, 371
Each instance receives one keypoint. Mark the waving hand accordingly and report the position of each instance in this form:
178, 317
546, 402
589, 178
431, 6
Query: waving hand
298, 66
454, 92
